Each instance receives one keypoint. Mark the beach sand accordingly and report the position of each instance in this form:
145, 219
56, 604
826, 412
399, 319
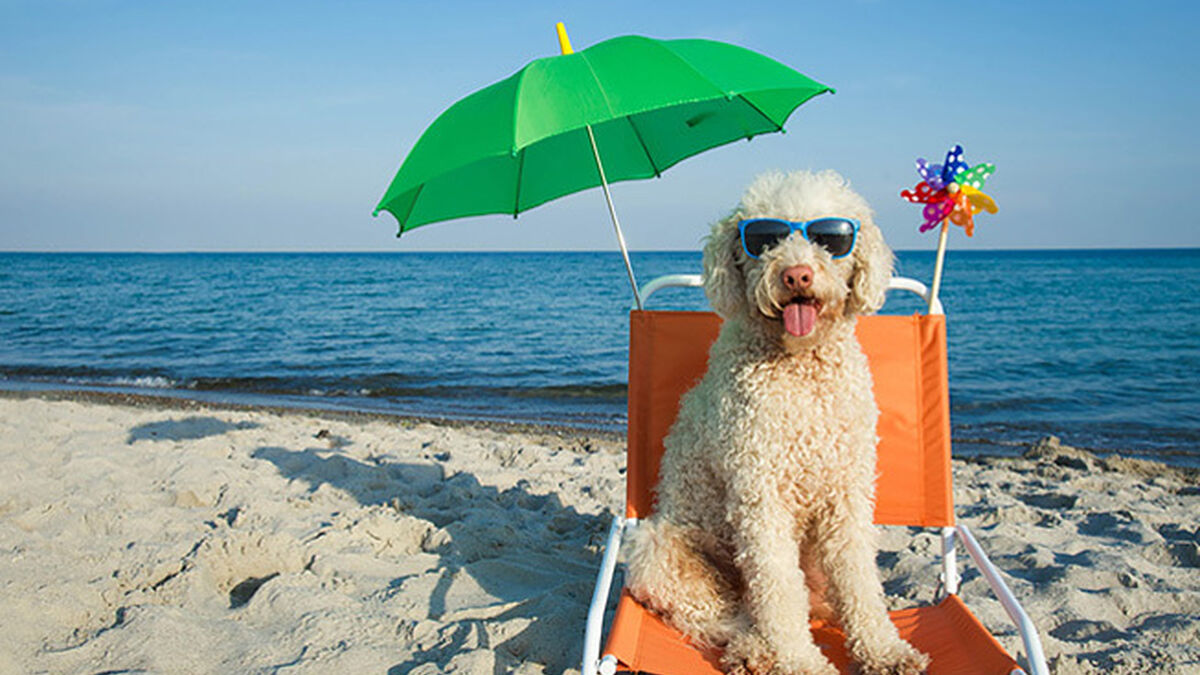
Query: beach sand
184, 538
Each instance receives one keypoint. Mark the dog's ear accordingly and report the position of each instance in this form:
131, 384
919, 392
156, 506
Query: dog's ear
873, 262
723, 282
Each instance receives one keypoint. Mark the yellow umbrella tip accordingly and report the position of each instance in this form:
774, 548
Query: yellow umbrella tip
564, 42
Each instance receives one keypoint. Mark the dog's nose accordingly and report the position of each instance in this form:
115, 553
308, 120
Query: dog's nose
798, 277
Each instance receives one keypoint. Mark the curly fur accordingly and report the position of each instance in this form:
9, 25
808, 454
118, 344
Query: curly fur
766, 491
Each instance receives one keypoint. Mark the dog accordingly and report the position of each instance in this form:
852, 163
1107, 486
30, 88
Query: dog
765, 500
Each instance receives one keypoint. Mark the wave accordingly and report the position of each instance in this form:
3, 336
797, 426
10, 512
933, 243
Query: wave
385, 386
146, 382
85, 375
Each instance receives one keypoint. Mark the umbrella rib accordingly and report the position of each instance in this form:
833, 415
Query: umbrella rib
520, 174
645, 149
692, 67
778, 127
411, 206
516, 103
599, 85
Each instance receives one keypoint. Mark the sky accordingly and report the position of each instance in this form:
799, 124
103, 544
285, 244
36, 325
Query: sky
235, 126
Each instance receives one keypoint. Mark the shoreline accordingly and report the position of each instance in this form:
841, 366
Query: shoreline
184, 402
146, 537
183, 399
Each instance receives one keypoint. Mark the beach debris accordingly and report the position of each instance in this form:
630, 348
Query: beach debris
240, 594
333, 440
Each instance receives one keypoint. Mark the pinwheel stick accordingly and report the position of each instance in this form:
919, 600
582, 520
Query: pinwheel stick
937, 266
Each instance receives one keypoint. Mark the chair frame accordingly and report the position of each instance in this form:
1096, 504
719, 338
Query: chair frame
595, 664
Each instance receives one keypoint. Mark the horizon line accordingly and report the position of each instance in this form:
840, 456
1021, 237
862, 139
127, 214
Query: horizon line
535, 250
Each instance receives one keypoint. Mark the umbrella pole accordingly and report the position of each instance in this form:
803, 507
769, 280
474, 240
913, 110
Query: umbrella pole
612, 212
937, 266
564, 44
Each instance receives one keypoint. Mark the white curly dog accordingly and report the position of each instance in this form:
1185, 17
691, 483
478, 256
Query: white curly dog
766, 491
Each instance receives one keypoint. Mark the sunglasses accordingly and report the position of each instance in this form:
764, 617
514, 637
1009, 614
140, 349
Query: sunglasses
835, 235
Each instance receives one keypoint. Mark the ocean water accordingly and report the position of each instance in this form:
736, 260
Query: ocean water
1101, 348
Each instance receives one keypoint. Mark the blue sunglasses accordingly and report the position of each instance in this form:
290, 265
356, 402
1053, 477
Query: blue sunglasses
835, 235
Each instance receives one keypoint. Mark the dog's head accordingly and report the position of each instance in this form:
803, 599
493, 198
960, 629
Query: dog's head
796, 291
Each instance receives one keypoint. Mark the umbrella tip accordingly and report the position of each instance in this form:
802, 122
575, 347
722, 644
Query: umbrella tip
564, 42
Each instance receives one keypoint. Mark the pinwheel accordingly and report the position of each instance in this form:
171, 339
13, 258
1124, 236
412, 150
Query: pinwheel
951, 192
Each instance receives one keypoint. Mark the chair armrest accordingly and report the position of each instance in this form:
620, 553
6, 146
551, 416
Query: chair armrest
695, 281
1033, 644
595, 617
914, 286
670, 281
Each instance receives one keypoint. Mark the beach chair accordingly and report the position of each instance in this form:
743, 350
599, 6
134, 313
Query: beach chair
668, 354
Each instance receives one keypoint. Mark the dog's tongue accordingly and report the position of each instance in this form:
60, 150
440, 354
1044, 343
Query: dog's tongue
799, 318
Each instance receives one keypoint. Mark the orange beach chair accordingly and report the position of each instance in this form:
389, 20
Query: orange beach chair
668, 353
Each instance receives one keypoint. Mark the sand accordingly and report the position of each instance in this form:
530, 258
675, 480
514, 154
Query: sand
183, 538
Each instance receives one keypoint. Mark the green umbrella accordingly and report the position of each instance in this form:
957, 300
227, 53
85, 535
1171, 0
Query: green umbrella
641, 104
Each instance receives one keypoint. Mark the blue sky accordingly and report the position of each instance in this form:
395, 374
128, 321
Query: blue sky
149, 126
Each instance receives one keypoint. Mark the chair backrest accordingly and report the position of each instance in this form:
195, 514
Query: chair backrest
668, 354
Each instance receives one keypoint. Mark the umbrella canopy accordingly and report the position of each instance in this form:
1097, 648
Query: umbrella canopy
524, 141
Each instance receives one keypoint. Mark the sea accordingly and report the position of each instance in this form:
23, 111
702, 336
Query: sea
1098, 347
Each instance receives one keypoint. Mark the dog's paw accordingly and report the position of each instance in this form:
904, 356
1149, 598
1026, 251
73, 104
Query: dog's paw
898, 658
812, 664
750, 654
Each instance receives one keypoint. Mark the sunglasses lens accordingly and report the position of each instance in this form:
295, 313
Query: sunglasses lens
759, 235
835, 235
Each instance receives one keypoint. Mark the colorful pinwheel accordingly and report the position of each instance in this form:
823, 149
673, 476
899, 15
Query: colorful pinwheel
952, 190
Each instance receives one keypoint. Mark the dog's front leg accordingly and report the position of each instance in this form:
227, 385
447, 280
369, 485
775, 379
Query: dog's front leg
847, 549
776, 595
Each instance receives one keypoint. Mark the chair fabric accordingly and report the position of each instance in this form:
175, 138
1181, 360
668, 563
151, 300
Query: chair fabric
668, 354
947, 631
907, 354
